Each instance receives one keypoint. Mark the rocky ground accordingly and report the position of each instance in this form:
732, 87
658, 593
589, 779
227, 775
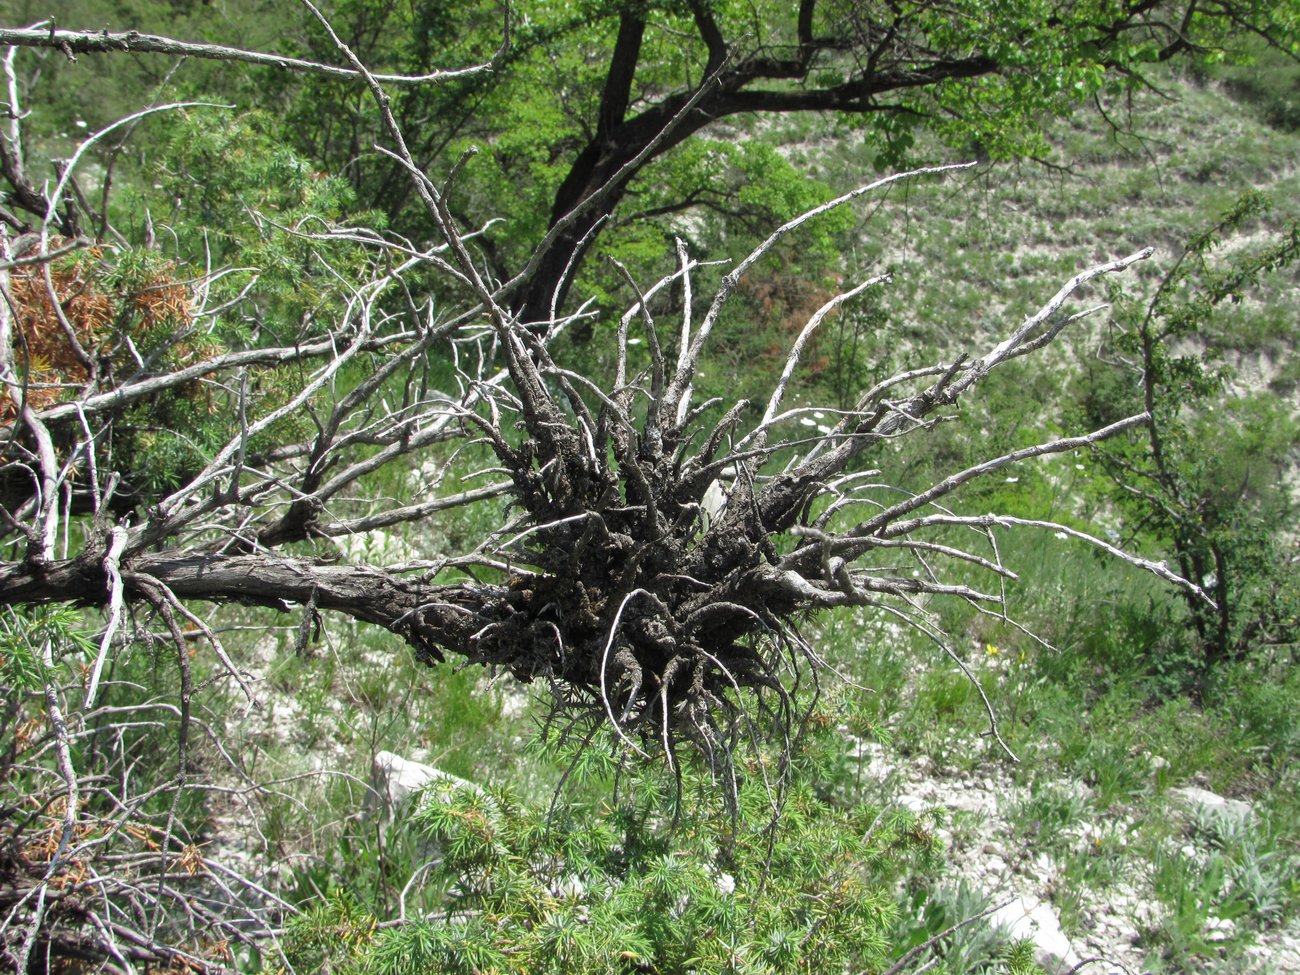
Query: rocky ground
1110, 931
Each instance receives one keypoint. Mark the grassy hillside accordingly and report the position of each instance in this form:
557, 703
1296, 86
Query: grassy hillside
1090, 693
894, 807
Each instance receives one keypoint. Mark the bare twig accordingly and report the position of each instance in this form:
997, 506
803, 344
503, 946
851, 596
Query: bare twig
102, 42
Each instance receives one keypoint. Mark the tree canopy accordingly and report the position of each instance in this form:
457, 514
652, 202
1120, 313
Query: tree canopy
589, 107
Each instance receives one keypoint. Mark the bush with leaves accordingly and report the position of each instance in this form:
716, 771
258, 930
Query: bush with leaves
1207, 477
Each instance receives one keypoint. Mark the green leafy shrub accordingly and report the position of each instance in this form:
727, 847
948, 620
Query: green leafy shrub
1205, 476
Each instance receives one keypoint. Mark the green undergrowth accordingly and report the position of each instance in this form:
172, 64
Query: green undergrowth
665, 874
1103, 733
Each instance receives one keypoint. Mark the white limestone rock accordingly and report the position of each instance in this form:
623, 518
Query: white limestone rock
1219, 929
1034, 919
394, 778
1204, 801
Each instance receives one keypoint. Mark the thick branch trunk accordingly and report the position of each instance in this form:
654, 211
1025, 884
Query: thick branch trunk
432, 619
595, 167
617, 143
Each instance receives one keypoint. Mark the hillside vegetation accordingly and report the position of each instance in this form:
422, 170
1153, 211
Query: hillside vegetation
858, 832
1096, 683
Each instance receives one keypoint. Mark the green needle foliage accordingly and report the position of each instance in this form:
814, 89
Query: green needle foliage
31, 640
662, 881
